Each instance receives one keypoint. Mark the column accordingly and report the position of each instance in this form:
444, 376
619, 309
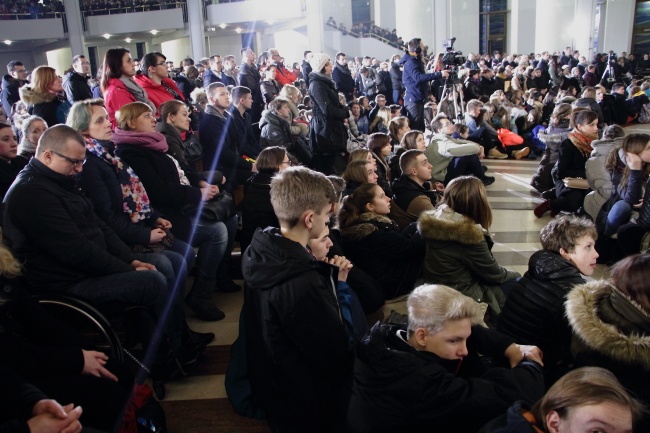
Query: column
584, 23
555, 28
521, 26
382, 12
315, 24
196, 29
416, 19
619, 25
75, 27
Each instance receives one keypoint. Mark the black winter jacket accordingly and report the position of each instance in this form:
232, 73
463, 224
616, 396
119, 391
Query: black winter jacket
8, 172
344, 81
327, 133
51, 227
76, 87
10, 94
275, 131
257, 210
397, 388
534, 310
297, 365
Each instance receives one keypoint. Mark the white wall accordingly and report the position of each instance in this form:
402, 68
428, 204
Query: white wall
521, 26
176, 50
619, 19
554, 25
223, 45
60, 59
20, 30
464, 25
254, 10
416, 19
336, 41
340, 10
382, 12
139, 21
30, 59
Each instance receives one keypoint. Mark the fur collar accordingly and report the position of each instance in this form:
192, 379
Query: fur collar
583, 306
294, 110
365, 226
444, 224
30, 97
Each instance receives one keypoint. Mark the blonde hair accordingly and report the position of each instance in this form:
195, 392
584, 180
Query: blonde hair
42, 79
431, 306
383, 115
9, 266
129, 112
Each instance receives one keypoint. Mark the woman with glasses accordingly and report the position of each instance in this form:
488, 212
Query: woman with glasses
45, 97
257, 211
170, 191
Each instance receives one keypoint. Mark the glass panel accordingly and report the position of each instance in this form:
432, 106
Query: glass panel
642, 16
497, 24
485, 6
641, 43
483, 33
499, 5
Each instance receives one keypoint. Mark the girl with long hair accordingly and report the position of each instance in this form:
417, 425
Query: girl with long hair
379, 144
44, 96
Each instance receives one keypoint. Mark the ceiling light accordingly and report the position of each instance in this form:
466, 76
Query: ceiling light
223, 26
238, 30
270, 22
106, 36
128, 40
154, 32
7, 41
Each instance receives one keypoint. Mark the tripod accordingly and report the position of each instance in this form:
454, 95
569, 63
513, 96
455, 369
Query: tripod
449, 89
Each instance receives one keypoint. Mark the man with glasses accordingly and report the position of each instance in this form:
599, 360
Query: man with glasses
15, 79
75, 83
215, 73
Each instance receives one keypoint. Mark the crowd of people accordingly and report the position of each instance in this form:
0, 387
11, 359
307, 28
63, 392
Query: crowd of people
369, 28
357, 182
30, 9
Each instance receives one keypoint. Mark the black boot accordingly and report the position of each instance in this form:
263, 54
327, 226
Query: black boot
224, 283
200, 300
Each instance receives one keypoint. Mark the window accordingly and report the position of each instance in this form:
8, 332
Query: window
641, 32
493, 25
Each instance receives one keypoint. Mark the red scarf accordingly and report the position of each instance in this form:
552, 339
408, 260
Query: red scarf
582, 142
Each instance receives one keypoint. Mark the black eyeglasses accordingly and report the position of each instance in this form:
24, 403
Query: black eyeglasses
74, 162
161, 64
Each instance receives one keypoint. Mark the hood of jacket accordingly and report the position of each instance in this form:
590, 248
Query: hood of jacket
269, 117
272, 260
8, 81
446, 225
30, 97
586, 306
366, 225
550, 266
294, 110
604, 147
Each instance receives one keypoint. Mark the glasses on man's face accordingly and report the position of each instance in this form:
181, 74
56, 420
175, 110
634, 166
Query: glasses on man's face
161, 64
74, 162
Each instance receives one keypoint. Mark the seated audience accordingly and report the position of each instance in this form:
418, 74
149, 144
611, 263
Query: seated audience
381, 121
431, 374
459, 245
482, 133
588, 399
257, 210
375, 244
452, 157
609, 319
398, 126
414, 193
32, 129
600, 180
297, 365
534, 310
379, 144
170, 191
358, 172
410, 140
43, 96
275, 125
572, 156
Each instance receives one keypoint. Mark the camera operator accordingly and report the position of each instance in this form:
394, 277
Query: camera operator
416, 83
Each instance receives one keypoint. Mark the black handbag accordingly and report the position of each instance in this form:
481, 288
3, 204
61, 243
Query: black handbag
220, 208
192, 149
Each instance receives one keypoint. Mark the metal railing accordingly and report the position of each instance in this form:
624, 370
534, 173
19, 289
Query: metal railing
346, 31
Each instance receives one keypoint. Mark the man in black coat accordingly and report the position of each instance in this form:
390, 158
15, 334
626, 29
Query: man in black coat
343, 77
306, 67
75, 84
249, 76
16, 78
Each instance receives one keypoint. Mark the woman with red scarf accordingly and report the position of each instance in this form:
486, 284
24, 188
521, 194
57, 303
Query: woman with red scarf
574, 153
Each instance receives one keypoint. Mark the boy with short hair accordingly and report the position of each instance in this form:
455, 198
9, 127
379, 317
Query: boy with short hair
534, 309
297, 343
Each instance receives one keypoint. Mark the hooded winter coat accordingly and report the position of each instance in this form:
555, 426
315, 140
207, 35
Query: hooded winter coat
327, 132
76, 87
600, 180
46, 105
376, 245
552, 137
297, 365
397, 388
612, 331
458, 255
10, 94
534, 310
275, 131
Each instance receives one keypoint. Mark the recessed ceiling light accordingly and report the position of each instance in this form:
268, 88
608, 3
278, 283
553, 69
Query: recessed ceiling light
270, 22
154, 32
223, 26
106, 36
7, 41
128, 40
238, 30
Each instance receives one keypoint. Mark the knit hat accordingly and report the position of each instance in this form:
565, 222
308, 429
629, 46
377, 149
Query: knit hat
318, 61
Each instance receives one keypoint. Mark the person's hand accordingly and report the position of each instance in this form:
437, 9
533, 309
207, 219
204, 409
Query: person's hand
207, 193
481, 152
214, 189
639, 205
156, 236
50, 417
518, 352
444, 73
142, 266
438, 186
162, 223
94, 363
633, 161
344, 266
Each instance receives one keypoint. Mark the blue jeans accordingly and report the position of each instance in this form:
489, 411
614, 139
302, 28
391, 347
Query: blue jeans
464, 165
618, 215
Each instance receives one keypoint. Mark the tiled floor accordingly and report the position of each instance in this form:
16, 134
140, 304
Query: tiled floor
516, 237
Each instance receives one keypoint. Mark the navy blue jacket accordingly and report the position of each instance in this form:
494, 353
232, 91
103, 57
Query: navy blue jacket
414, 79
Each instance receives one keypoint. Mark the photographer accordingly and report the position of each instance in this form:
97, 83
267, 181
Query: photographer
416, 83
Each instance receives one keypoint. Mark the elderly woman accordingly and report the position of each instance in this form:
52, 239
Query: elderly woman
429, 373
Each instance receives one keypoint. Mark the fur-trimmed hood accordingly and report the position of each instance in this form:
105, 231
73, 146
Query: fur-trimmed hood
446, 225
30, 97
366, 225
585, 307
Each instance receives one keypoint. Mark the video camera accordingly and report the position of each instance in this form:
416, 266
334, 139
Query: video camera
450, 58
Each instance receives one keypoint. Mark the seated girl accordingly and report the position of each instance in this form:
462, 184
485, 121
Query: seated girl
379, 145
381, 121
397, 127
431, 373
609, 319
459, 243
410, 140
358, 172
374, 243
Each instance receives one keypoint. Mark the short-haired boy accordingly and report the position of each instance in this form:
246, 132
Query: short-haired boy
534, 309
297, 343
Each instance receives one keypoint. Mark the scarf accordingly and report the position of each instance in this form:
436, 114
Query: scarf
582, 142
137, 91
27, 146
135, 201
343, 69
148, 140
